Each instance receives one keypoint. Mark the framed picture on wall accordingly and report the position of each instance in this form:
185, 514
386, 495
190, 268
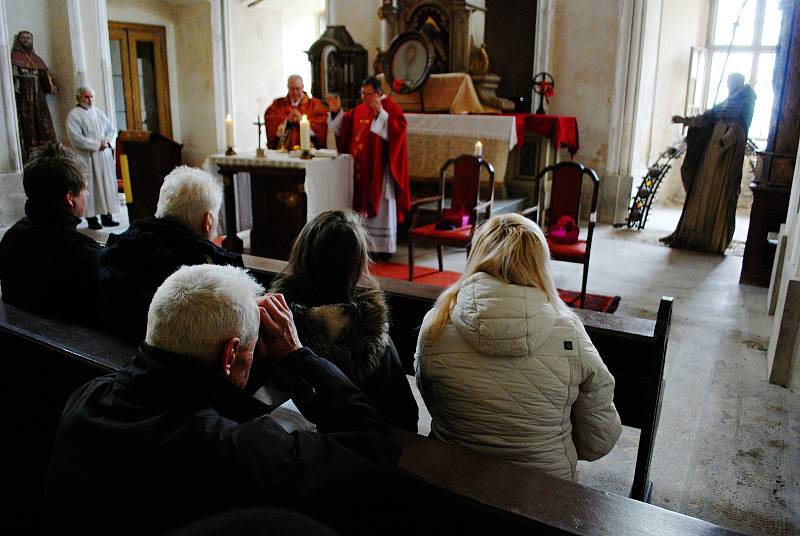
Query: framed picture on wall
408, 61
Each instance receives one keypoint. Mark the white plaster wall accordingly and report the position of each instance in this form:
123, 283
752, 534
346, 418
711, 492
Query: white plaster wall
582, 63
683, 24
156, 13
195, 71
361, 19
257, 68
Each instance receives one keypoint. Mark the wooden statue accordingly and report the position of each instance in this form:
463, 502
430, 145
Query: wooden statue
32, 82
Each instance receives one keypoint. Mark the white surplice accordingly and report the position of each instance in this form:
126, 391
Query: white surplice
382, 228
86, 128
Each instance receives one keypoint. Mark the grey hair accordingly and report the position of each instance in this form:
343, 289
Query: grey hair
81, 90
292, 77
187, 194
199, 308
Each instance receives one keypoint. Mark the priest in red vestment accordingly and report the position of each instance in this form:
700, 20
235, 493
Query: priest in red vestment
374, 133
284, 114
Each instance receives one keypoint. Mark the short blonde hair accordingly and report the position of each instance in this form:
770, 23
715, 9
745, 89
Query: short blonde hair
508, 247
187, 194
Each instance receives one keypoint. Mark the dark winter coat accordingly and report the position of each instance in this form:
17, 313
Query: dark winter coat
136, 262
355, 336
168, 440
48, 267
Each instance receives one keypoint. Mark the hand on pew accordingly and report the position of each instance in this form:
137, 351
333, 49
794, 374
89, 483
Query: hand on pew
277, 334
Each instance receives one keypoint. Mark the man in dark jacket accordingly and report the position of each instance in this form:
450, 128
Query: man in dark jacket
173, 437
136, 262
46, 265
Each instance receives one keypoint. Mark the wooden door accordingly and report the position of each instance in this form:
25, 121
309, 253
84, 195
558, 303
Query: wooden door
141, 81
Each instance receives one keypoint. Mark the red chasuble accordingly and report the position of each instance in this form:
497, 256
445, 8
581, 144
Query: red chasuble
371, 155
279, 110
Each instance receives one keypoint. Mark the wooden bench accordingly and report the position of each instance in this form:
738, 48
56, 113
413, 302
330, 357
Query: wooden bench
437, 486
633, 349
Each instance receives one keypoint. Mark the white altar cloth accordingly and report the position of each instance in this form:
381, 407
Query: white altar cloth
478, 127
328, 181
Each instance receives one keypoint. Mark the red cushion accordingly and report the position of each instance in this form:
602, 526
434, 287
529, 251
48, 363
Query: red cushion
430, 232
572, 252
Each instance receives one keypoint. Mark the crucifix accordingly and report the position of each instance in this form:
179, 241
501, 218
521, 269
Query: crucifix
259, 152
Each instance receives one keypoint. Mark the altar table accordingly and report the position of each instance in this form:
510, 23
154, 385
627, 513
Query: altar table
435, 138
285, 193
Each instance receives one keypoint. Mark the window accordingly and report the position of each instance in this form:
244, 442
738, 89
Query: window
139, 73
749, 30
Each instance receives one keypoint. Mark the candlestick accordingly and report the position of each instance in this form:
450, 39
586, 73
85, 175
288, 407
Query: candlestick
478, 149
229, 130
305, 134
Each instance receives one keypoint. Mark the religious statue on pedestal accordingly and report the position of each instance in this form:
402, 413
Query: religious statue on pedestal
32, 82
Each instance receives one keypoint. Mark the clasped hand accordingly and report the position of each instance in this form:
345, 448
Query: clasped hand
294, 115
277, 334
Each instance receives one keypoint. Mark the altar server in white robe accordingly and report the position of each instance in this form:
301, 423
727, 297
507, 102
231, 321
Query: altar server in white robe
93, 138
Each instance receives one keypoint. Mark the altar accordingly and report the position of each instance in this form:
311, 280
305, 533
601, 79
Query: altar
285, 192
435, 138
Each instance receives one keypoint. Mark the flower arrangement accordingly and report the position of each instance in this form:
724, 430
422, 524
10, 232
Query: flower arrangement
400, 86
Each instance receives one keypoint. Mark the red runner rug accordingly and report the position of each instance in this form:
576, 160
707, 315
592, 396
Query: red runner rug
431, 276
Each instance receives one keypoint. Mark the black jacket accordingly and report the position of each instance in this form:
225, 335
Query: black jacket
355, 337
168, 440
136, 262
49, 267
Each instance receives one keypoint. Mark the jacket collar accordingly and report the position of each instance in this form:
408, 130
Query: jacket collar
197, 379
50, 215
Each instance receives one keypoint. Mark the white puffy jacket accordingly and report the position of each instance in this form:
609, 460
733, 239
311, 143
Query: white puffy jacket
512, 377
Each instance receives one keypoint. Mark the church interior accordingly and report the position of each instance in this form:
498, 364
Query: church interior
201, 73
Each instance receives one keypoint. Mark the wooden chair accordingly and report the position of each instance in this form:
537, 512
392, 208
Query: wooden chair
466, 187
565, 200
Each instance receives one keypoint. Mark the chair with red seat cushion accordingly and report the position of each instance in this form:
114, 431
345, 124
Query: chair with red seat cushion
565, 203
456, 225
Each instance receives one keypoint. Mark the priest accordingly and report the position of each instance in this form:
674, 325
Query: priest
283, 117
374, 132
93, 137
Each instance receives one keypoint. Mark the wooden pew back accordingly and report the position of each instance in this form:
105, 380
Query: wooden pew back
633, 349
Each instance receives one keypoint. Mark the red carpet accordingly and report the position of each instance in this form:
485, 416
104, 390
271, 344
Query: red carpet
430, 276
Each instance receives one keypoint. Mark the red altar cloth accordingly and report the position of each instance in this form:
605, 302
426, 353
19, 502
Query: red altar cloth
561, 129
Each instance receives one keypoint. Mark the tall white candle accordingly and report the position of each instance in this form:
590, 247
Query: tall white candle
478, 149
305, 134
229, 130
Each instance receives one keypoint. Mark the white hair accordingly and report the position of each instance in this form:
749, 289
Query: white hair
292, 77
187, 194
81, 90
199, 308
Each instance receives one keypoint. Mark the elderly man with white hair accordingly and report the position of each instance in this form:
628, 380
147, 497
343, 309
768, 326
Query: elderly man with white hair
173, 437
137, 261
93, 137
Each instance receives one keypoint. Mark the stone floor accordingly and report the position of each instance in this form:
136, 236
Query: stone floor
728, 444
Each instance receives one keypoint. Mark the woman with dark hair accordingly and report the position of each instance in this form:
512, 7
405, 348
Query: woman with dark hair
337, 319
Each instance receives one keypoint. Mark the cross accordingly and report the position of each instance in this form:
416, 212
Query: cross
260, 124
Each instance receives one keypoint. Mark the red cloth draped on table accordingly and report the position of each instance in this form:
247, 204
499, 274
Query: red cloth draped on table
370, 152
279, 110
562, 130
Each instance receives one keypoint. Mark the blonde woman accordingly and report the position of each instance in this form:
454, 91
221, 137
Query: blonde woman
505, 368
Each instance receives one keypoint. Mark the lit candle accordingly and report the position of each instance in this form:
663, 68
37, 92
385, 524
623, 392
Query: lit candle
478, 149
229, 130
305, 134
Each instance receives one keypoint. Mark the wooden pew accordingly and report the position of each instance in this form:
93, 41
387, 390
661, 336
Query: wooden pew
437, 486
633, 349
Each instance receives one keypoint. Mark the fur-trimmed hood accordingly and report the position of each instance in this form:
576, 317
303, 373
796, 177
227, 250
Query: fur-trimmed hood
353, 335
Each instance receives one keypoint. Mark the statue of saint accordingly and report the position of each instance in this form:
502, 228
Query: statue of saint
32, 82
